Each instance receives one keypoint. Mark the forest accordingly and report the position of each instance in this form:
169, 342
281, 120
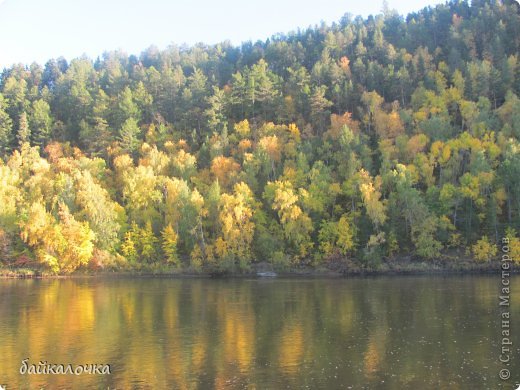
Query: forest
356, 142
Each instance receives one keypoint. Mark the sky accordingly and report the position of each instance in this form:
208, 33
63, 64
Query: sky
37, 30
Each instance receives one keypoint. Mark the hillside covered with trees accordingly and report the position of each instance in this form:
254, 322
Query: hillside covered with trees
358, 142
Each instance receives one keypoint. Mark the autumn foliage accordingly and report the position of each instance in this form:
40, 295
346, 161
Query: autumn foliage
357, 141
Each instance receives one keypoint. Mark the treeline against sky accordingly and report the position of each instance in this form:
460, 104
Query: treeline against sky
354, 142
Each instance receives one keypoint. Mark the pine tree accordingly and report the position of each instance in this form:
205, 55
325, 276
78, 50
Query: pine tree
24, 133
6, 128
40, 122
129, 136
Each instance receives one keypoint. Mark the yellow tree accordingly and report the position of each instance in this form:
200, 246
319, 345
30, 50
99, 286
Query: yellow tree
169, 245
154, 158
371, 195
141, 193
10, 195
61, 246
297, 225
79, 239
225, 170
346, 235
184, 210
98, 209
235, 216
270, 145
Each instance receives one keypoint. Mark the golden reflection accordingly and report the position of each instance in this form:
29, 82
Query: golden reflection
344, 312
127, 304
193, 334
237, 333
175, 366
82, 315
238, 339
291, 348
375, 352
199, 352
371, 359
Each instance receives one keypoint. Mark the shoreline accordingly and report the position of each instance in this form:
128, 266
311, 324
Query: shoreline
399, 268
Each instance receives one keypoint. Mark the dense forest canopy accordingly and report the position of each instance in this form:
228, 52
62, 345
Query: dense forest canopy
360, 140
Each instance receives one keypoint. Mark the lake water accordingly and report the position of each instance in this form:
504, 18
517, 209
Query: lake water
360, 333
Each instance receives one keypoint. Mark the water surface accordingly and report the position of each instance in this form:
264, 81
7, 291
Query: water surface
360, 333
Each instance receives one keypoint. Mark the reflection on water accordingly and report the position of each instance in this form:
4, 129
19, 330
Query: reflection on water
373, 333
